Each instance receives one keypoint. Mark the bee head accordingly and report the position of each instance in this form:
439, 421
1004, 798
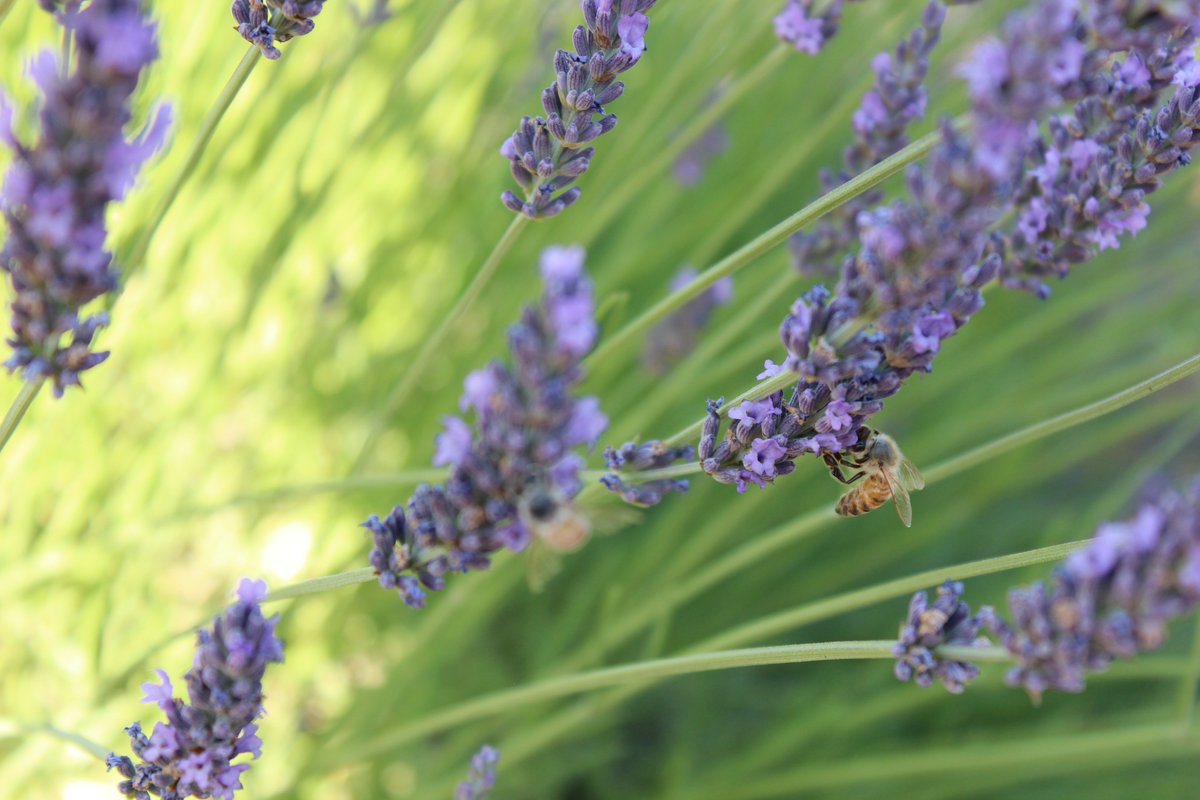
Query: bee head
541, 505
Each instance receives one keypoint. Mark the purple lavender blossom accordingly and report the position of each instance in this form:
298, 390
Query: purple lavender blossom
191, 755
1110, 600
262, 23
676, 336
632, 458
527, 426
57, 192
798, 26
947, 621
881, 126
548, 153
924, 259
482, 777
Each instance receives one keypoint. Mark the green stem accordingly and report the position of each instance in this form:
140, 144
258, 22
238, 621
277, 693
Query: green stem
1056, 752
1189, 683
397, 479
204, 136
866, 180
324, 583
621, 197
817, 611
18, 409
643, 671
13, 727
1063, 422
432, 345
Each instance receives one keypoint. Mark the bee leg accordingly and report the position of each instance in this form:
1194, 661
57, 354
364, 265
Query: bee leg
835, 469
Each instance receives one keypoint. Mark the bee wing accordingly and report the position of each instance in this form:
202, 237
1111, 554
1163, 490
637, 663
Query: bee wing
899, 497
910, 476
612, 518
541, 565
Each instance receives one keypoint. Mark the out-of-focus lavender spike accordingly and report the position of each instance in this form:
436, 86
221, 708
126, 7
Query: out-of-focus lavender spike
515, 468
263, 23
676, 336
482, 777
692, 162
548, 153
191, 755
881, 125
57, 192
632, 458
1110, 600
923, 260
947, 621
806, 29
375, 14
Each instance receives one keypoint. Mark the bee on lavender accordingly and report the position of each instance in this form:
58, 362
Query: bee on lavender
553, 519
885, 473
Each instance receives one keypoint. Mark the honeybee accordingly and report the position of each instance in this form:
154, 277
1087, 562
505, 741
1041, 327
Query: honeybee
559, 526
887, 475
554, 520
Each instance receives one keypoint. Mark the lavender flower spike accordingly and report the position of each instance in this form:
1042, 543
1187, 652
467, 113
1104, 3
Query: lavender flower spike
676, 336
57, 192
262, 23
482, 777
881, 123
548, 153
798, 26
947, 621
191, 755
634, 457
515, 467
1112, 599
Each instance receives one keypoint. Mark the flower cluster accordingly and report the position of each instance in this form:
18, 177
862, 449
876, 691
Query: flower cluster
640, 457
766, 436
947, 621
262, 23
482, 777
676, 336
191, 755
1088, 179
881, 123
1112, 599
923, 260
805, 30
516, 467
57, 192
548, 153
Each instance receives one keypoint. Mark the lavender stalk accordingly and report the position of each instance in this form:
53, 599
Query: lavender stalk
513, 472
57, 192
191, 755
548, 153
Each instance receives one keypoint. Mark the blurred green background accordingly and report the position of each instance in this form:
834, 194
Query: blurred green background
346, 200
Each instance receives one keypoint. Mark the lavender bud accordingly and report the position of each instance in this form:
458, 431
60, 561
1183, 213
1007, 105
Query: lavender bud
585, 81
